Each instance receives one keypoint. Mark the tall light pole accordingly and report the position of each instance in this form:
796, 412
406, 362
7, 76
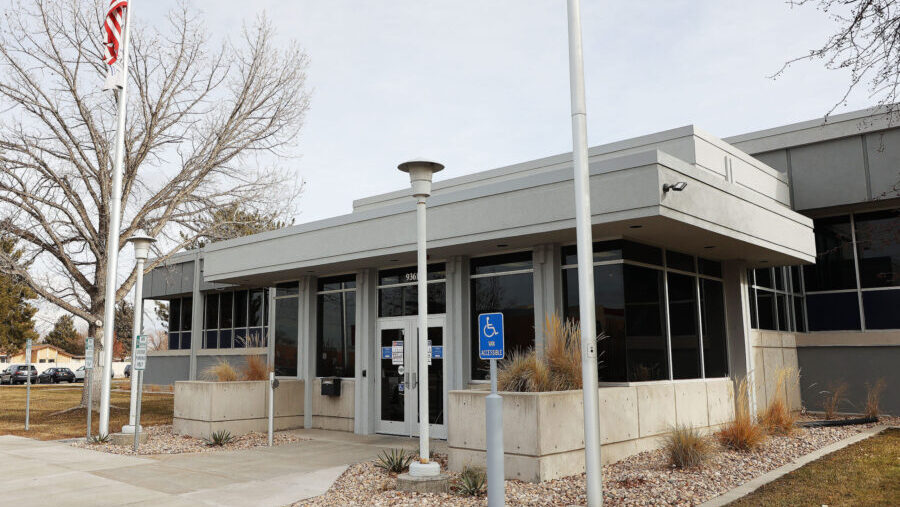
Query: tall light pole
585, 261
112, 240
141, 244
420, 174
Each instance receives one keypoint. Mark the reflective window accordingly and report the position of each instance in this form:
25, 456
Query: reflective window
286, 329
878, 249
715, 348
227, 320
609, 299
882, 309
179, 324
647, 357
398, 291
834, 269
495, 289
833, 311
683, 317
336, 327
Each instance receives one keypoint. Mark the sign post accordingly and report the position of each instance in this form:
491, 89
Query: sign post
88, 368
140, 363
491, 347
27, 382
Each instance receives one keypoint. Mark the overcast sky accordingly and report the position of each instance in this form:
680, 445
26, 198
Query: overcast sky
483, 84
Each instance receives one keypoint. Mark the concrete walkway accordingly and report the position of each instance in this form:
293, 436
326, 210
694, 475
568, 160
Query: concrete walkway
55, 473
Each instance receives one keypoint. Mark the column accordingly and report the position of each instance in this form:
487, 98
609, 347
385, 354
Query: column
737, 316
367, 346
547, 289
306, 328
196, 316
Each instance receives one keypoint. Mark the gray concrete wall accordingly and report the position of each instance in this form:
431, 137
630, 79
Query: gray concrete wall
822, 368
167, 369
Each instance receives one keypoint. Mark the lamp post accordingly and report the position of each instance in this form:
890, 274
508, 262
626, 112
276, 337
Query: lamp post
420, 173
141, 244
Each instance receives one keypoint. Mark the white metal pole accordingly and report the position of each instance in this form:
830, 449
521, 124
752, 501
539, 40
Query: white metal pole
585, 260
271, 407
112, 242
422, 279
136, 329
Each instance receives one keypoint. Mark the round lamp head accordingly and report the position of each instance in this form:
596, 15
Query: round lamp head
420, 172
141, 243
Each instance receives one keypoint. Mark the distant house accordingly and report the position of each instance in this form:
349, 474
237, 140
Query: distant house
44, 353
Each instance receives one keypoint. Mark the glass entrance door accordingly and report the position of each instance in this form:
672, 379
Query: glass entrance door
398, 377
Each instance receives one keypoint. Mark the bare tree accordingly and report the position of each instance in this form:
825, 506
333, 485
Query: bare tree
201, 117
867, 43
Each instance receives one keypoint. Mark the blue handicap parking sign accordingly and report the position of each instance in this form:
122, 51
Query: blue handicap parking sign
490, 336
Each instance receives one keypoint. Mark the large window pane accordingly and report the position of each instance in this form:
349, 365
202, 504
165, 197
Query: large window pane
287, 289
226, 310
799, 322
240, 308
610, 314
683, 322
404, 300
513, 295
683, 262
256, 307
765, 309
501, 263
603, 251
878, 249
212, 311
764, 277
834, 268
644, 318
336, 334
882, 309
286, 327
715, 351
187, 313
175, 315
781, 308
830, 312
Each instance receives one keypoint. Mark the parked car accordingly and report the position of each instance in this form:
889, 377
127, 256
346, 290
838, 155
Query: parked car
18, 374
56, 375
79, 374
127, 371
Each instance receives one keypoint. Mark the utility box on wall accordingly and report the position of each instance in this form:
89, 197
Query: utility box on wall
331, 386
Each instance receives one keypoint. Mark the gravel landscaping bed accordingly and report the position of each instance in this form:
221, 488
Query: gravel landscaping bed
643, 479
162, 440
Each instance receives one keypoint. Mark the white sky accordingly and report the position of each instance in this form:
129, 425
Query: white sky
478, 84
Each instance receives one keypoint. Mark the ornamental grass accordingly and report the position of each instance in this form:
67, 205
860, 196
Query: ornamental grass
686, 447
777, 418
743, 433
222, 371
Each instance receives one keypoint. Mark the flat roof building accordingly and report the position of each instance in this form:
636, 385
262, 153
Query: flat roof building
782, 250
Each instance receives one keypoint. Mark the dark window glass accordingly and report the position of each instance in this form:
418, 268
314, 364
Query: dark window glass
226, 310
175, 315
337, 282
683, 323
764, 277
830, 312
753, 322
834, 268
287, 289
878, 249
882, 309
187, 314
409, 274
795, 279
404, 300
436, 379
255, 311
642, 253
779, 278
781, 308
212, 340
212, 311
185, 340
336, 337
680, 261
240, 338
513, 295
715, 349
603, 251
765, 310
710, 268
240, 308
225, 338
173, 341
501, 263
286, 327
799, 323
644, 324
610, 314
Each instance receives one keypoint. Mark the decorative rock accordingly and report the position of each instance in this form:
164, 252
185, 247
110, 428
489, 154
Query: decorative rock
127, 439
424, 484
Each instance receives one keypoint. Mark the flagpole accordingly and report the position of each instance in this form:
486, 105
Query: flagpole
112, 243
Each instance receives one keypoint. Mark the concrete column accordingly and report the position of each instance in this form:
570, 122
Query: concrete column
367, 347
737, 316
196, 317
547, 289
457, 337
306, 328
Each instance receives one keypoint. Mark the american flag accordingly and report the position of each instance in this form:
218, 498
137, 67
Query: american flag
115, 18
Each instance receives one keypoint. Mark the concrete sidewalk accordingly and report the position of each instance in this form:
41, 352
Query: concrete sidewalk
56, 473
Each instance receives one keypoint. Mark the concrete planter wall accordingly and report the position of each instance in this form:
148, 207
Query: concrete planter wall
543, 433
202, 408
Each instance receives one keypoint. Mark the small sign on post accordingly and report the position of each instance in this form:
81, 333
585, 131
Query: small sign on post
491, 346
88, 367
140, 364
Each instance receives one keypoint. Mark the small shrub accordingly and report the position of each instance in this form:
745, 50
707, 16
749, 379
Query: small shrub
743, 433
777, 418
471, 482
218, 438
394, 460
255, 368
100, 438
873, 397
686, 447
832, 399
222, 371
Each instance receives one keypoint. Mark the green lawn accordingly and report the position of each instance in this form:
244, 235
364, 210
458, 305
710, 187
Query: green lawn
865, 473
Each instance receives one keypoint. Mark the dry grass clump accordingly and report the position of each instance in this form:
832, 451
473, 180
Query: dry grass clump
559, 369
222, 371
743, 433
686, 447
873, 397
833, 398
255, 368
777, 418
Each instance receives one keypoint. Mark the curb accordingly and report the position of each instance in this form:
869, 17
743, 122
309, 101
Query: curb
751, 486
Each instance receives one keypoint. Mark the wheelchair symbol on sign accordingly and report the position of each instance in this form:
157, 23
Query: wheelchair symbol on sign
489, 330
